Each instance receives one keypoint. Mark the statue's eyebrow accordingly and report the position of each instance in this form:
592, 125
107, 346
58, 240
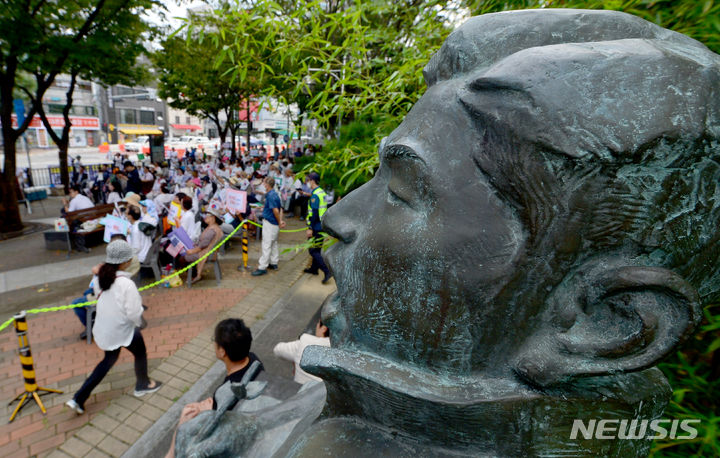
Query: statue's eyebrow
392, 152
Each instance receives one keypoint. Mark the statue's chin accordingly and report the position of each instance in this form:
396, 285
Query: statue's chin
482, 414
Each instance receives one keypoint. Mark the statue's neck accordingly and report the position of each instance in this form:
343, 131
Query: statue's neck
481, 415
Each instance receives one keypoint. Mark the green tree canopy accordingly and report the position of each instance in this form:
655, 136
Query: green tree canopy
189, 79
43, 39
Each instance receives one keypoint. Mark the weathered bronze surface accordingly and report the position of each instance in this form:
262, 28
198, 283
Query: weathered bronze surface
541, 232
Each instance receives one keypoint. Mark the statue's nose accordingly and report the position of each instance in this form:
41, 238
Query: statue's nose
340, 221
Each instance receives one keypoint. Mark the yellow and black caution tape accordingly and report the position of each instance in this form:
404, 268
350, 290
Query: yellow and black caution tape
151, 285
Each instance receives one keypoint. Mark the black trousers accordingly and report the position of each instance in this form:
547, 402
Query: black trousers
318, 263
137, 348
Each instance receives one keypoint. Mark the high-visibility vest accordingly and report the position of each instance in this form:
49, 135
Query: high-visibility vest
322, 205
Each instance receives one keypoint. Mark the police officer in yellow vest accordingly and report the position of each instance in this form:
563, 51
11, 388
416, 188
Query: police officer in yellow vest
316, 209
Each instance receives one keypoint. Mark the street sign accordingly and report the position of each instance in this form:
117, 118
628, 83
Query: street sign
19, 111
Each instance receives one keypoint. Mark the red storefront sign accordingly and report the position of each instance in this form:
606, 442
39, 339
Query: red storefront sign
186, 126
78, 122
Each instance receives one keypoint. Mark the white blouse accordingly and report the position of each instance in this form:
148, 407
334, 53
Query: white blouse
119, 312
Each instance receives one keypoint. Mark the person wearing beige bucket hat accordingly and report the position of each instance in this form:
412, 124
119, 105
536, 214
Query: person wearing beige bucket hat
132, 199
119, 314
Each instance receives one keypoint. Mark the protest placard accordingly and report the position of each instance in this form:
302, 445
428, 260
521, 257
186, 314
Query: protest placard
174, 213
114, 225
179, 242
235, 201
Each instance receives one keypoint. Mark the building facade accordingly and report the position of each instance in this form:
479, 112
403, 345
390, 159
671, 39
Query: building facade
129, 112
181, 123
84, 116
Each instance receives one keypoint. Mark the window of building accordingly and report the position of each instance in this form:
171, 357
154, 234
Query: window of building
92, 111
147, 117
177, 119
54, 108
127, 116
187, 120
122, 90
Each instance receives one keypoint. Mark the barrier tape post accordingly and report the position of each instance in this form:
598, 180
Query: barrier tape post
28, 368
245, 245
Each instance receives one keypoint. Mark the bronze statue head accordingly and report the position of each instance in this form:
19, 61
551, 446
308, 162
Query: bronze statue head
541, 231
548, 209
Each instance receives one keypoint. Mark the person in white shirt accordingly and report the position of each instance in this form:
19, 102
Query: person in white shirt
207, 189
118, 161
112, 196
78, 201
275, 173
146, 175
157, 186
164, 198
236, 168
139, 242
221, 172
187, 219
292, 351
118, 316
264, 169
287, 189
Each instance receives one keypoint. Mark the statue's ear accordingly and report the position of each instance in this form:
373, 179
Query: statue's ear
603, 321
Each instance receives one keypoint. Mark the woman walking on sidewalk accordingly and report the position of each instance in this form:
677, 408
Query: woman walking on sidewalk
119, 313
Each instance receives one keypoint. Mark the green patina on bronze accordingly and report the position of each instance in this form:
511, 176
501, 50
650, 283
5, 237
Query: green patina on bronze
541, 232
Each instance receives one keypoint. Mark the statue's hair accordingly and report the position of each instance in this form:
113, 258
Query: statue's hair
601, 129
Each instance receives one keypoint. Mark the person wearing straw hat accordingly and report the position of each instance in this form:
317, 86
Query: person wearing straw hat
118, 316
209, 237
132, 199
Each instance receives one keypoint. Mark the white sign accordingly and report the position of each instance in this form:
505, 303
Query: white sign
235, 201
113, 226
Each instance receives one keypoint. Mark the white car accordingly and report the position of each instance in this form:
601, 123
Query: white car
189, 141
138, 144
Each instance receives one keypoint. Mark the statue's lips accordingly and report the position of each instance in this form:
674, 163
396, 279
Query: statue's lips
330, 253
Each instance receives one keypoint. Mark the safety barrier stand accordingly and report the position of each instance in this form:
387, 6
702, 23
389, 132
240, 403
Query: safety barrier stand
28, 368
245, 245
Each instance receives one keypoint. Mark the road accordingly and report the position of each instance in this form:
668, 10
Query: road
44, 157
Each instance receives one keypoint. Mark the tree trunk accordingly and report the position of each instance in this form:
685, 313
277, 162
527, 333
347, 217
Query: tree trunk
10, 220
233, 133
221, 132
9, 210
63, 141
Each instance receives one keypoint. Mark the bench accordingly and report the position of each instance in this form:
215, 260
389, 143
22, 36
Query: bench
79, 217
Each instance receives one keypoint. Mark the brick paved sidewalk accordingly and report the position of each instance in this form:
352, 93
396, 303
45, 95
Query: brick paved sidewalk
178, 339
